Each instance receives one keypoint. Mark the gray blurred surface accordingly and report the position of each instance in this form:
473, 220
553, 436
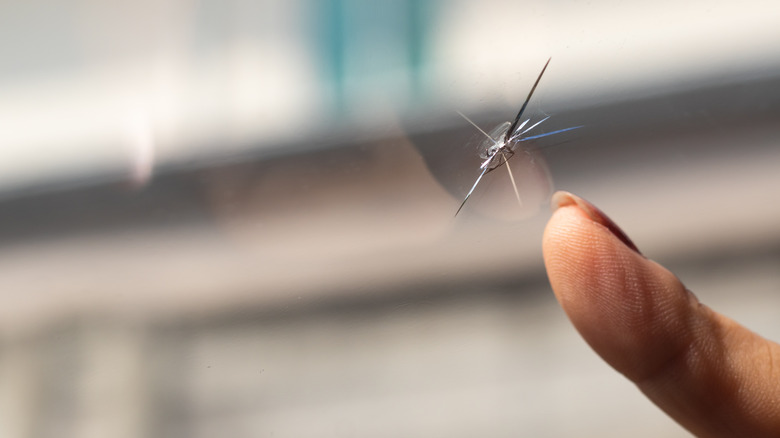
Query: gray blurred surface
335, 295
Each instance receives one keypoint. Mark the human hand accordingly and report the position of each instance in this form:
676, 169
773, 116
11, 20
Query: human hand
712, 375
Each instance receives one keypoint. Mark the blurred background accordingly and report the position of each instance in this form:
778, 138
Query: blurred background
229, 218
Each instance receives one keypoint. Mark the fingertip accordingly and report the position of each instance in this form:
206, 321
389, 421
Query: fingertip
624, 305
563, 199
709, 373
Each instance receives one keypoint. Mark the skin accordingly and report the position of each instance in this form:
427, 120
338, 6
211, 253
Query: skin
713, 376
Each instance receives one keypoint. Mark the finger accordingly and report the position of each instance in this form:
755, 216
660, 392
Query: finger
712, 375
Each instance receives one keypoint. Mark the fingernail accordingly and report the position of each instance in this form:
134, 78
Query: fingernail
563, 199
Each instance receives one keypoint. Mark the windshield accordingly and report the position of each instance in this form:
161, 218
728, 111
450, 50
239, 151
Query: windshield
238, 218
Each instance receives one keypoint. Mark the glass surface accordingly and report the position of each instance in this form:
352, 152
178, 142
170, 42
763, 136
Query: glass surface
237, 218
